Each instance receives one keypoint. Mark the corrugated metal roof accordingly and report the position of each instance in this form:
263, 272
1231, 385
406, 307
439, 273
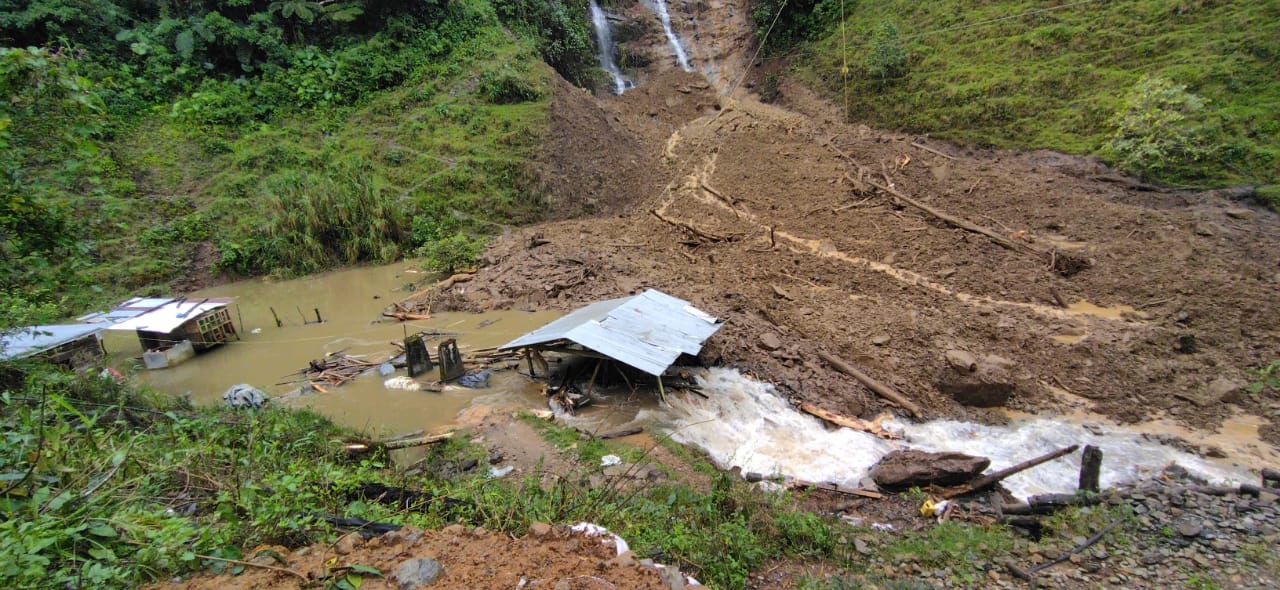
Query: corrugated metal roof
648, 331
169, 316
130, 308
24, 342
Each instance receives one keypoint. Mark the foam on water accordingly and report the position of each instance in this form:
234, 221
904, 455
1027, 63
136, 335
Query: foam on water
744, 423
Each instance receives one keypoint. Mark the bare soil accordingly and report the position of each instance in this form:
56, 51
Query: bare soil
469, 558
771, 230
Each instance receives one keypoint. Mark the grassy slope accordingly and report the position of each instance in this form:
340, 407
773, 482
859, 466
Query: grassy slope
1054, 79
433, 142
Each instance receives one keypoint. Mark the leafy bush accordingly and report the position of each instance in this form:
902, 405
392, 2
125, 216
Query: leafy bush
507, 86
771, 89
452, 253
886, 58
1155, 132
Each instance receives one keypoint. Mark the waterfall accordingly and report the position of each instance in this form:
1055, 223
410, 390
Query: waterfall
660, 6
604, 47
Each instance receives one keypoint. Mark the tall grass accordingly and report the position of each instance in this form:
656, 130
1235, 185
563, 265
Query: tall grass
339, 216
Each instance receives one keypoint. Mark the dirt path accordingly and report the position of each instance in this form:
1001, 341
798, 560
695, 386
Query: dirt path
773, 223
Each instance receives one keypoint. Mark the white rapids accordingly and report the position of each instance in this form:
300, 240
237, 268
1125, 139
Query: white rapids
744, 423
604, 47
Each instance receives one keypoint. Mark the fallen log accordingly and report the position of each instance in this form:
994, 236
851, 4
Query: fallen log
882, 390
702, 234
1063, 264
872, 427
994, 478
932, 151
356, 449
836, 489
1023, 521
1050, 503
405, 316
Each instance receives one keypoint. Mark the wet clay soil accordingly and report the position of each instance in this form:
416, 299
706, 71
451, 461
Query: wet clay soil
1180, 293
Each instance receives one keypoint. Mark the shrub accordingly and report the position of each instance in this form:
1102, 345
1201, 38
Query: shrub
506, 86
1154, 130
770, 90
886, 58
451, 254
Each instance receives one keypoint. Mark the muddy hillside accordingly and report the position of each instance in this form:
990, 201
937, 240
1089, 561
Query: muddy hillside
947, 272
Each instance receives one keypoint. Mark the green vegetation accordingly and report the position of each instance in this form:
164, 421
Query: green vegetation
140, 143
107, 486
1180, 92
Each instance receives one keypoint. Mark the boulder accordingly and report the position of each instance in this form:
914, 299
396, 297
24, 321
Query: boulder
418, 573
904, 469
962, 361
244, 396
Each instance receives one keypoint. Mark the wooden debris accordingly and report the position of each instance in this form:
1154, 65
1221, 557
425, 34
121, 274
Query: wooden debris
699, 233
1063, 264
882, 390
336, 369
873, 427
1090, 469
1269, 474
360, 448
836, 489
994, 478
931, 150
621, 433
405, 316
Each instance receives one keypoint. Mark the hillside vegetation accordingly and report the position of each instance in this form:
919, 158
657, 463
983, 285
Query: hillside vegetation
1184, 92
145, 143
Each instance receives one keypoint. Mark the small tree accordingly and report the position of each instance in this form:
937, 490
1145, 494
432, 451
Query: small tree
1154, 132
887, 58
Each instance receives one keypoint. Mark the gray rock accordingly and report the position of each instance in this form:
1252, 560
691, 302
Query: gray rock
770, 341
903, 469
1190, 528
672, 577
418, 573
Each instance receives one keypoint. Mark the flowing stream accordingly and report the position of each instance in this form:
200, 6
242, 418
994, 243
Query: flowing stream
660, 7
604, 48
744, 423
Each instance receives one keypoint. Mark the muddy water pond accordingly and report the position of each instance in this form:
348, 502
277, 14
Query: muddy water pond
350, 301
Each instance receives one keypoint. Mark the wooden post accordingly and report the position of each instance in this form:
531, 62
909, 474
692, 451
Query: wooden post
240, 316
529, 357
319, 320
279, 324
591, 383
1090, 469
662, 394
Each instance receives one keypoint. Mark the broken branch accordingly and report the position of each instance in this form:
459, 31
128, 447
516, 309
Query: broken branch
994, 478
882, 390
703, 234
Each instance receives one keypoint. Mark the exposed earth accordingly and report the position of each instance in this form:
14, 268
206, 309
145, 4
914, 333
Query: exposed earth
769, 217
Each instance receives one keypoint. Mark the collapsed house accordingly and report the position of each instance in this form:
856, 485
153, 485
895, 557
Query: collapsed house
74, 346
648, 332
176, 330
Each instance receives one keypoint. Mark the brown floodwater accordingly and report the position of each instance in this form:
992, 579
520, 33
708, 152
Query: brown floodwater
351, 302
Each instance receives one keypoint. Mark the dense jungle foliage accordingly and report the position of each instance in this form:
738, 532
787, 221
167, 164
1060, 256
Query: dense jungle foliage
145, 141
1183, 92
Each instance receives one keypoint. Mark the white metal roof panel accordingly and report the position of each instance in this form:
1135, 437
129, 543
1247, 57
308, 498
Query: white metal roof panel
169, 316
130, 308
24, 342
648, 331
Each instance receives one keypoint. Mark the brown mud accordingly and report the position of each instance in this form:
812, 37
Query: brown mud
469, 558
776, 233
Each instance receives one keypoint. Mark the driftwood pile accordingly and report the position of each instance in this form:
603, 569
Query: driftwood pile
336, 369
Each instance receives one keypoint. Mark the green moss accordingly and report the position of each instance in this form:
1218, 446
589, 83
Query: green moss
1012, 74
